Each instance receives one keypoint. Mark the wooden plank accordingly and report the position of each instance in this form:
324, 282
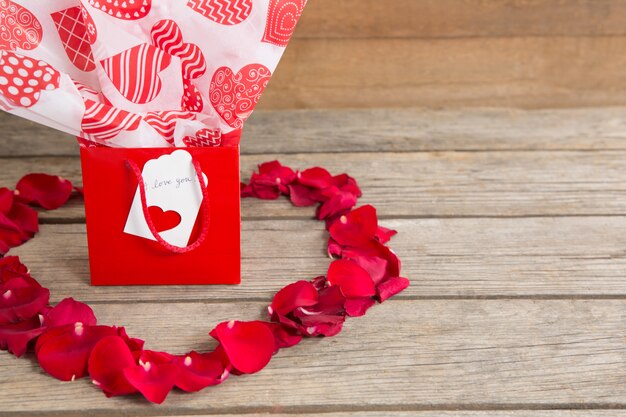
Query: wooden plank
445, 413
376, 130
404, 355
528, 72
531, 257
460, 18
427, 184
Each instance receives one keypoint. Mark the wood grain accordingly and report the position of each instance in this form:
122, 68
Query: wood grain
529, 72
460, 18
376, 130
444, 258
440, 354
427, 184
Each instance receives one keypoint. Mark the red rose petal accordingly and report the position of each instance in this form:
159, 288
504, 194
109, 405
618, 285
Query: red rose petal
25, 218
374, 265
20, 301
284, 336
353, 280
107, 361
64, 351
383, 235
301, 196
154, 377
376, 249
357, 307
47, 191
391, 287
16, 336
298, 294
346, 183
70, 311
248, 345
356, 227
315, 177
6, 200
198, 371
11, 268
326, 317
337, 204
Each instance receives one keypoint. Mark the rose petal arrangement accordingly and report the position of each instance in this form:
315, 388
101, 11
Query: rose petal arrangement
68, 342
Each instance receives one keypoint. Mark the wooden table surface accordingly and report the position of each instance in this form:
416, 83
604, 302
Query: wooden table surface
512, 230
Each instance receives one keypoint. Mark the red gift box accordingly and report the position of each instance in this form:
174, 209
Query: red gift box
120, 258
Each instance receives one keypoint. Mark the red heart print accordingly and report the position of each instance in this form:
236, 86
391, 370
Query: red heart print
104, 122
167, 36
90, 26
234, 96
163, 220
192, 99
224, 12
123, 9
143, 83
282, 17
204, 138
19, 28
22, 79
164, 122
73, 34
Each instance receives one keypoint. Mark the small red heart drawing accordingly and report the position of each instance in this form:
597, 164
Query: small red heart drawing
22, 79
282, 17
123, 9
74, 36
224, 12
143, 83
234, 96
19, 28
204, 138
163, 220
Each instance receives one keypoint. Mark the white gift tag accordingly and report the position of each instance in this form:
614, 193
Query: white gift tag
172, 186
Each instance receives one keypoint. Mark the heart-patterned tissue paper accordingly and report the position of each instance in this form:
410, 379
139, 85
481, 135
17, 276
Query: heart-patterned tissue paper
141, 73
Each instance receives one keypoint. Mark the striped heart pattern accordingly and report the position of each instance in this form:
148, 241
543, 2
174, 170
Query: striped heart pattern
204, 138
234, 95
103, 122
282, 17
224, 12
142, 84
73, 34
164, 122
167, 36
19, 28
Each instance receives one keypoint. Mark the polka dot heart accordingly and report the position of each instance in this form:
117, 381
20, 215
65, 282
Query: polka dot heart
22, 79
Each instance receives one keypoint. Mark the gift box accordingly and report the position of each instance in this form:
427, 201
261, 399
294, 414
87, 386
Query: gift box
157, 93
122, 248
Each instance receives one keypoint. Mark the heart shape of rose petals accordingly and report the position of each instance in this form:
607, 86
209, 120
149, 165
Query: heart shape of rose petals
70, 343
163, 220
